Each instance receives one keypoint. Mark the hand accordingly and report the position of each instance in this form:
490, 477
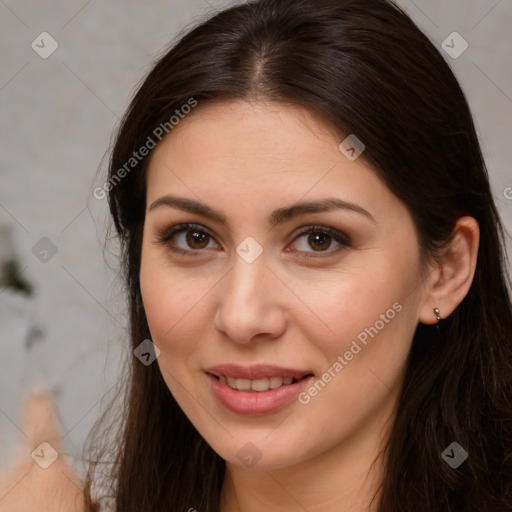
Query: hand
26, 486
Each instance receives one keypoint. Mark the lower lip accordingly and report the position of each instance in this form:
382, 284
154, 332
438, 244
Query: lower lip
253, 403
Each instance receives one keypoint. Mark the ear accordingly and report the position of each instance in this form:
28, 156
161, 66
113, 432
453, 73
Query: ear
452, 272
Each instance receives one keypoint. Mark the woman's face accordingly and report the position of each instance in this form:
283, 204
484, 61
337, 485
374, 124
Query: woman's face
299, 264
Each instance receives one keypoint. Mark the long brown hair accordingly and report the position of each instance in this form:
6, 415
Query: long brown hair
365, 68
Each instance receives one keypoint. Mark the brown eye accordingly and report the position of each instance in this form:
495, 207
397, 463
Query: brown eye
187, 239
319, 241
197, 239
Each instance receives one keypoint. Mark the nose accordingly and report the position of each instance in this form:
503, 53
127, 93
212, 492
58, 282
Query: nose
250, 303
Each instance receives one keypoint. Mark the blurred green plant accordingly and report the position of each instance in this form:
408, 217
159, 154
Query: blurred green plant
11, 277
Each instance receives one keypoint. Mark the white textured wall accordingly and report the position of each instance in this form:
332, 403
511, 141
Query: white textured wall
57, 115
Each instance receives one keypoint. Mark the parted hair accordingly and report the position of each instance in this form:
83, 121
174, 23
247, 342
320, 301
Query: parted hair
365, 68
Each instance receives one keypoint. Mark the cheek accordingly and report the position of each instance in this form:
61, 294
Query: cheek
349, 304
171, 301
367, 319
171, 307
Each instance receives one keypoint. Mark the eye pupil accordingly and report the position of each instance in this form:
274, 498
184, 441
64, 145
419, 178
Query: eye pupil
321, 240
196, 237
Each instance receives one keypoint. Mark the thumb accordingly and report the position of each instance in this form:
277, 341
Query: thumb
41, 479
39, 424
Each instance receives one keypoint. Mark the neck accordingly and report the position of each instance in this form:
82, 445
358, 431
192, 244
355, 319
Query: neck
344, 478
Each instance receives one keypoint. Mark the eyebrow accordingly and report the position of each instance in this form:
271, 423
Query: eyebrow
278, 216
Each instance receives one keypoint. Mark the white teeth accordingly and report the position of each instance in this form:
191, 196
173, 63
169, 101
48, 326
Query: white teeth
243, 384
275, 382
263, 384
259, 384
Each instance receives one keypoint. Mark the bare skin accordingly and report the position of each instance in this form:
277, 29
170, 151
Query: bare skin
209, 306
245, 161
26, 486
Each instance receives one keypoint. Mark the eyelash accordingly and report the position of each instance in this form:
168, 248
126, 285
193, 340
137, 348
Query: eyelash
341, 238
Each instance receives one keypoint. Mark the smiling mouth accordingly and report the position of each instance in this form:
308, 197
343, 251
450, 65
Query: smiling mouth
258, 385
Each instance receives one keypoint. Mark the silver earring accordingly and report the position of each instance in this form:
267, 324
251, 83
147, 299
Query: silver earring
437, 313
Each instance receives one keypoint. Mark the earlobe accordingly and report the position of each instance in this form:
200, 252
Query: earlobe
453, 272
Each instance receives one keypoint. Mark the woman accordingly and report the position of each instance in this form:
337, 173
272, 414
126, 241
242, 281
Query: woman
319, 311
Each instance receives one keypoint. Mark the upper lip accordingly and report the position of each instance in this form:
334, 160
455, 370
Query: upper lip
257, 371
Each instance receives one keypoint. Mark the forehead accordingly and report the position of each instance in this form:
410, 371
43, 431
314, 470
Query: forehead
258, 151
237, 130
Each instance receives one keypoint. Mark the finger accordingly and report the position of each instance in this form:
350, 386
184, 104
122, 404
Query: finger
40, 424
41, 478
